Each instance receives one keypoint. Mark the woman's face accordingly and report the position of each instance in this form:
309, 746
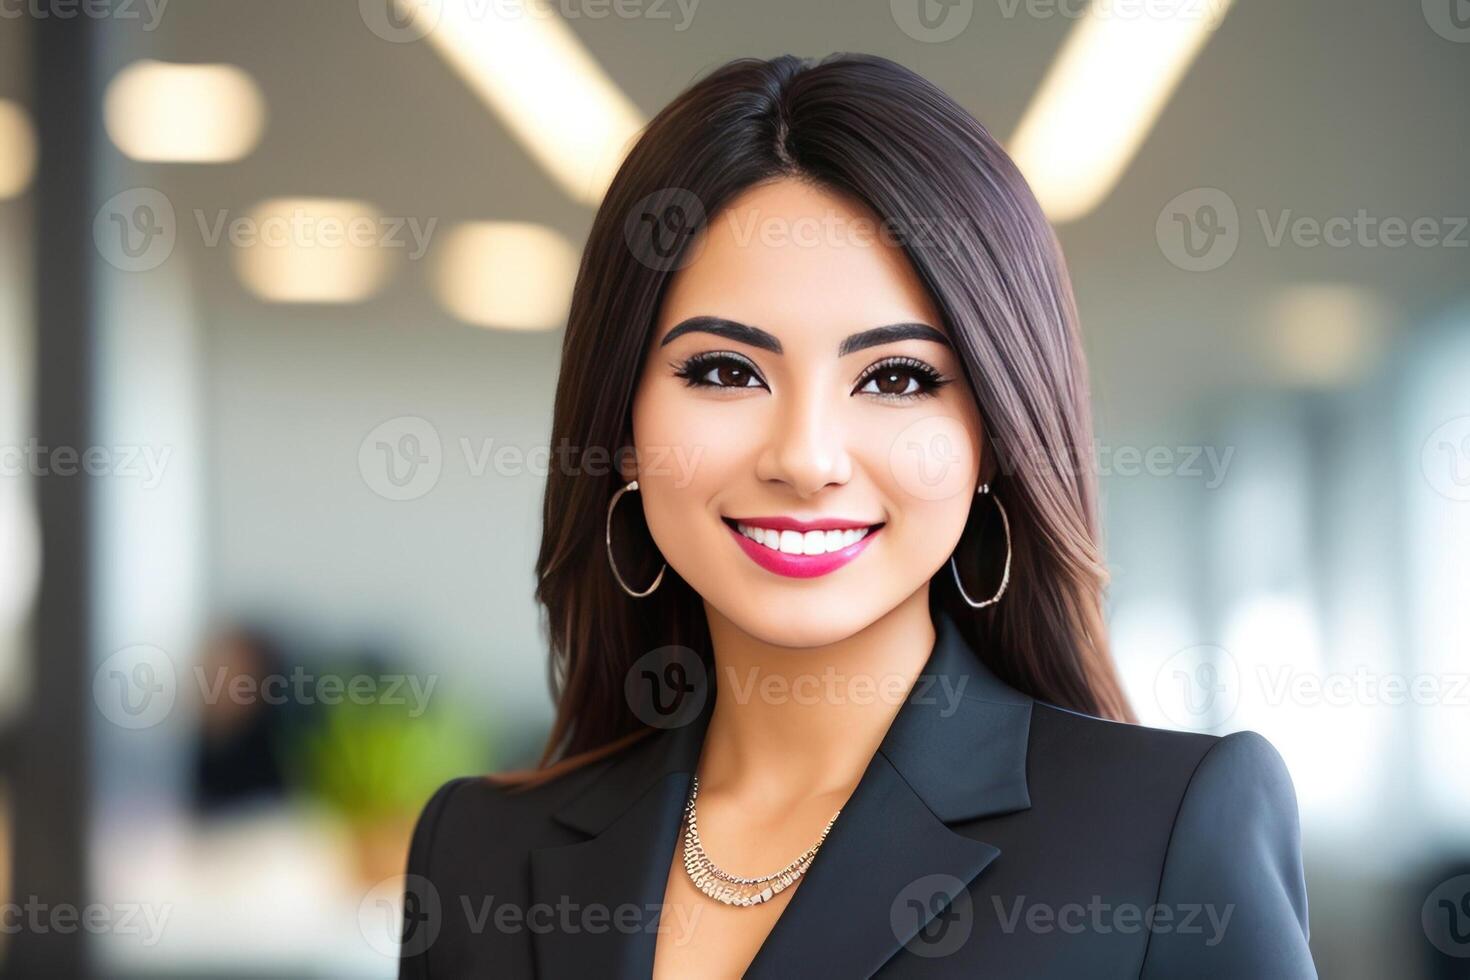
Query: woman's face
808, 447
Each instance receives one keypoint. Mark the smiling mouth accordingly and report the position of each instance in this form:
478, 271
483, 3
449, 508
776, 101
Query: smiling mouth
801, 549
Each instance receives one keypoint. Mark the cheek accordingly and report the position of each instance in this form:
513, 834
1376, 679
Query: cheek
928, 466
686, 456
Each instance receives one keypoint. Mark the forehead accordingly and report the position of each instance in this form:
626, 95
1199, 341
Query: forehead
799, 261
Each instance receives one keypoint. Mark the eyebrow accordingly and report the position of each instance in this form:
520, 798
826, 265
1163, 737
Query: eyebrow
729, 329
892, 333
756, 337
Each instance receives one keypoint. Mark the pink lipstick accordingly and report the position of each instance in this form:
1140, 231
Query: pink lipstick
801, 548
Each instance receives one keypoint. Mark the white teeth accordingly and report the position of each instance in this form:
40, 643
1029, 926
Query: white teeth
798, 543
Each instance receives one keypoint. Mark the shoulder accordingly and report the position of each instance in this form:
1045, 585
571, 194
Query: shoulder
470, 852
479, 815
1227, 810
1155, 761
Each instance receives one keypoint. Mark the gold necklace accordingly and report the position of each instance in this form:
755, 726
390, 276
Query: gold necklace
732, 889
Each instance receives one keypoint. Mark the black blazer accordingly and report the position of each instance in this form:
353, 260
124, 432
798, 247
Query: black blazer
991, 835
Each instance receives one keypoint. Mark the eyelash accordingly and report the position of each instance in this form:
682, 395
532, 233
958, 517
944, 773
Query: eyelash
929, 380
695, 370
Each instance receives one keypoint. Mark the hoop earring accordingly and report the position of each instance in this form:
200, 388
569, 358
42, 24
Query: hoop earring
1005, 578
633, 485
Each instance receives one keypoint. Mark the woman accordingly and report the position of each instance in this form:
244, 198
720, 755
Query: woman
823, 587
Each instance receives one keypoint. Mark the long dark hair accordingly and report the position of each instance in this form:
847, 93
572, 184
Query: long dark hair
945, 190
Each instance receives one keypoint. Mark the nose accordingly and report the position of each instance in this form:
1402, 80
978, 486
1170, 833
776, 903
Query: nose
807, 446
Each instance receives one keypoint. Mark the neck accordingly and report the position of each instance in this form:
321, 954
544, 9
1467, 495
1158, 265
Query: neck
793, 723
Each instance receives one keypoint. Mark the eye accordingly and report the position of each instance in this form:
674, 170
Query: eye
719, 369
901, 378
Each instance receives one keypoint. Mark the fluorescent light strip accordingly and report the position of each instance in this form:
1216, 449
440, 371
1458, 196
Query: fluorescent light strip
169, 113
311, 250
529, 68
506, 274
1102, 96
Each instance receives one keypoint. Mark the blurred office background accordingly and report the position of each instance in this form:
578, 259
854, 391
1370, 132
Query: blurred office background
281, 293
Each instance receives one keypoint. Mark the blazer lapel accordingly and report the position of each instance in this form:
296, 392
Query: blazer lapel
633, 811
888, 867
892, 872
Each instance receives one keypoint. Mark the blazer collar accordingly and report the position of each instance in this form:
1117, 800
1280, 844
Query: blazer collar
959, 740
955, 752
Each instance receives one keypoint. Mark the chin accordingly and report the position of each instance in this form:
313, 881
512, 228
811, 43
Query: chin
799, 619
